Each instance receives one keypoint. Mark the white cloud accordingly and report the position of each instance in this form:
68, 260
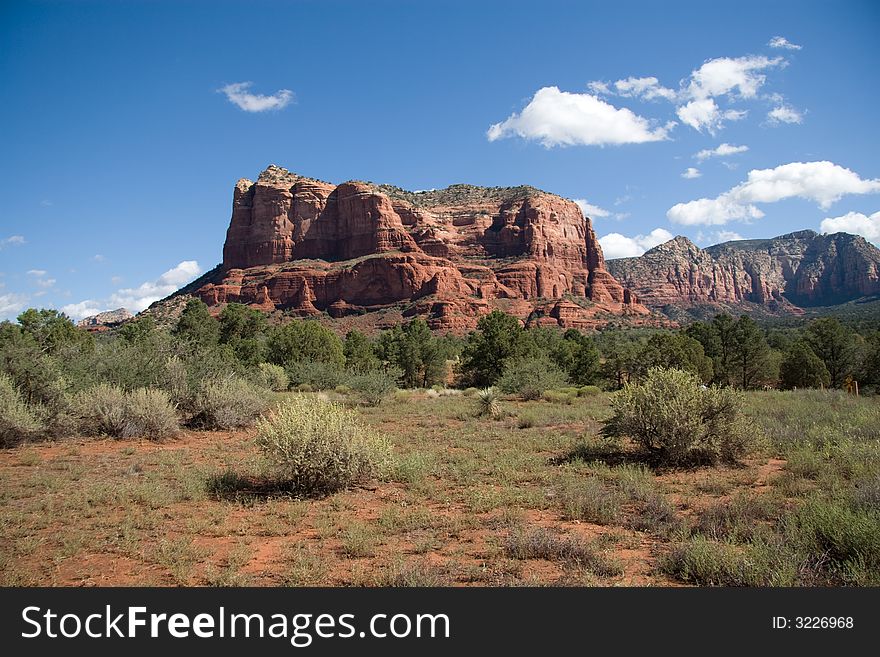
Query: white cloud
822, 182
591, 210
854, 222
784, 114
727, 235
691, 173
712, 212
11, 305
560, 118
645, 88
782, 42
139, 298
723, 150
237, 93
740, 76
98, 258
704, 113
46, 203
39, 275
12, 240
599, 87
615, 245
77, 311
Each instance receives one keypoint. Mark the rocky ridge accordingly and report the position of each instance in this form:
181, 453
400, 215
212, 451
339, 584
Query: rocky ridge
781, 275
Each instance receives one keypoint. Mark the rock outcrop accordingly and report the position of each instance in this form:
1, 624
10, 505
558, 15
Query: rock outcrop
782, 274
310, 247
106, 320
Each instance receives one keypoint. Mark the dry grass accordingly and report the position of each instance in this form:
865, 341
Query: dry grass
471, 501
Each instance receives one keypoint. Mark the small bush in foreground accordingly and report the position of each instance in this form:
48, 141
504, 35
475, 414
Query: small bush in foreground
101, 410
591, 500
273, 377
848, 539
542, 544
530, 377
373, 386
228, 403
149, 413
673, 416
17, 422
710, 563
110, 411
320, 446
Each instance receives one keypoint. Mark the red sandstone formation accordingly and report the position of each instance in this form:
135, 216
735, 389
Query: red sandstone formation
451, 255
781, 274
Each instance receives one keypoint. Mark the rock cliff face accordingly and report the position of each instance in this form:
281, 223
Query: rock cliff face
106, 320
783, 274
309, 247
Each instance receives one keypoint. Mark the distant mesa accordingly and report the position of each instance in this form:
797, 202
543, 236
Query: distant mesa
782, 275
361, 250
106, 320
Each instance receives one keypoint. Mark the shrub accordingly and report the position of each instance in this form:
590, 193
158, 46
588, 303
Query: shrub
710, 563
530, 377
108, 410
373, 386
849, 540
101, 410
588, 391
557, 397
149, 413
17, 422
488, 404
542, 544
272, 377
315, 374
320, 446
591, 500
175, 381
679, 420
229, 402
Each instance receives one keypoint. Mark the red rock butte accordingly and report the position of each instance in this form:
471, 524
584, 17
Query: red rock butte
309, 247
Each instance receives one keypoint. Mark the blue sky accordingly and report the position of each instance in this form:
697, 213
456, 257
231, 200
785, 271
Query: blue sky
121, 147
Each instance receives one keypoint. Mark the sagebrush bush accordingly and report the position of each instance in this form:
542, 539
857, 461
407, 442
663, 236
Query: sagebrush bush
109, 410
588, 391
101, 410
320, 446
373, 386
679, 420
17, 421
530, 377
149, 413
273, 377
229, 402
